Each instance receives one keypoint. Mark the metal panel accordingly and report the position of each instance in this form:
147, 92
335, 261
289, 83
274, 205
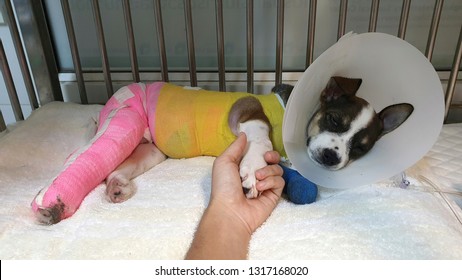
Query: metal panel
38, 47
74, 51
161, 40
220, 45
20, 53
190, 40
102, 48
11, 89
131, 40
311, 32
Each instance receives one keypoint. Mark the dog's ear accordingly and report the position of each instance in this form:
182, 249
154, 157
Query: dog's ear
338, 86
394, 115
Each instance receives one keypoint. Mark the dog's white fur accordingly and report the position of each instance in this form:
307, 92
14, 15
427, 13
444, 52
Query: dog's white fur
258, 143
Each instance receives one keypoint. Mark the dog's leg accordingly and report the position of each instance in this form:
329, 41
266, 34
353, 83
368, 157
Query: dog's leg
119, 183
247, 116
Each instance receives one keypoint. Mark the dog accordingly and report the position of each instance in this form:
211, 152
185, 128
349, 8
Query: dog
342, 130
346, 127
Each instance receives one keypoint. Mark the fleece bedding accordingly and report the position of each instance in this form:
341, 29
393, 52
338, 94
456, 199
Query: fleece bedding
379, 221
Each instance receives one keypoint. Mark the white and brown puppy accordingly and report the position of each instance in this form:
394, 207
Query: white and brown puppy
346, 127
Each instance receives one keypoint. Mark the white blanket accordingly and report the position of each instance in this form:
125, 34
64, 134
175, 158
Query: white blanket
379, 221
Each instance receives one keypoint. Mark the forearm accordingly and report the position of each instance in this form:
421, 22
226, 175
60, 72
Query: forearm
220, 235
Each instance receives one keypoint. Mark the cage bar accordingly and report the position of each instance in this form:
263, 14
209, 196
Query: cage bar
374, 15
74, 51
279, 41
11, 89
21, 55
2, 122
190, 40
342, 18
434, 29
250, 47
102, 47
131, 40
311, 33
404, 18
161, 40
453, 76
220, 45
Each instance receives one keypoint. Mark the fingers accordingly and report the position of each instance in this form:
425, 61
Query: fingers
272, 157
269, 177
274, 182
267, 171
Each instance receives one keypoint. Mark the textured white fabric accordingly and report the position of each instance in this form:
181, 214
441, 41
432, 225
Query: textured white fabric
379, 221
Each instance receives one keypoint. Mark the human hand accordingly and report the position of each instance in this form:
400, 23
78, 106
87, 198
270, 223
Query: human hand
227, 195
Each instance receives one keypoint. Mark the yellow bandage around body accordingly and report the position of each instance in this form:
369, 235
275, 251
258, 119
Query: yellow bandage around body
192, 123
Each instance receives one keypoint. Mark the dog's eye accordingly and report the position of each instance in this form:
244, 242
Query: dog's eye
358, 151
332, 119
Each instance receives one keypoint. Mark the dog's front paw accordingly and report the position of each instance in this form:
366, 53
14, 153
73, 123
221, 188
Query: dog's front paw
51, 215
119, 189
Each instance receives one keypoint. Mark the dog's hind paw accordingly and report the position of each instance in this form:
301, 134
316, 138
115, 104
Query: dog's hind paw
51, 215
120, 189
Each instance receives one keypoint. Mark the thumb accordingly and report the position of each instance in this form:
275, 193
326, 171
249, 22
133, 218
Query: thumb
235, 151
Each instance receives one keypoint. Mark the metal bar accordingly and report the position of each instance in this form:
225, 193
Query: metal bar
434, 29
279, 41
403, 19
2, 122
342, 18
21, 55
161, 40
250, 48
220, 45
190, 40
102, 48
38, 47
12, 94
131, 40
74, 51
374, 15
311, 32
453, 76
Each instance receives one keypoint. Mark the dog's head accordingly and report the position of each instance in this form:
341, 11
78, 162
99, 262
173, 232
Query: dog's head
346, 127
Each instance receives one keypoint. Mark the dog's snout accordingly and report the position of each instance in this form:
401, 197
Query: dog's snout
330, 157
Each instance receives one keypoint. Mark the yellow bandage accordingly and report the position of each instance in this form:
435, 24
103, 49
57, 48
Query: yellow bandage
192, 123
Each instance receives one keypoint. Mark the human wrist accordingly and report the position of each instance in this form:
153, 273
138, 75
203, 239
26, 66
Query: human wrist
226, 214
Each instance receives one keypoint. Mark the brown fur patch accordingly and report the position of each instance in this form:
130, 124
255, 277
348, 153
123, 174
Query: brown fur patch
246, 109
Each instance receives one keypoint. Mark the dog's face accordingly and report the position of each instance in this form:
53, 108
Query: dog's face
346, 127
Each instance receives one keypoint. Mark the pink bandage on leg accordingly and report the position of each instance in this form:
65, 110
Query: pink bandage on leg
123, 122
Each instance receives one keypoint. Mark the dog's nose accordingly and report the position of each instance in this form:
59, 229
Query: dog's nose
330, 157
